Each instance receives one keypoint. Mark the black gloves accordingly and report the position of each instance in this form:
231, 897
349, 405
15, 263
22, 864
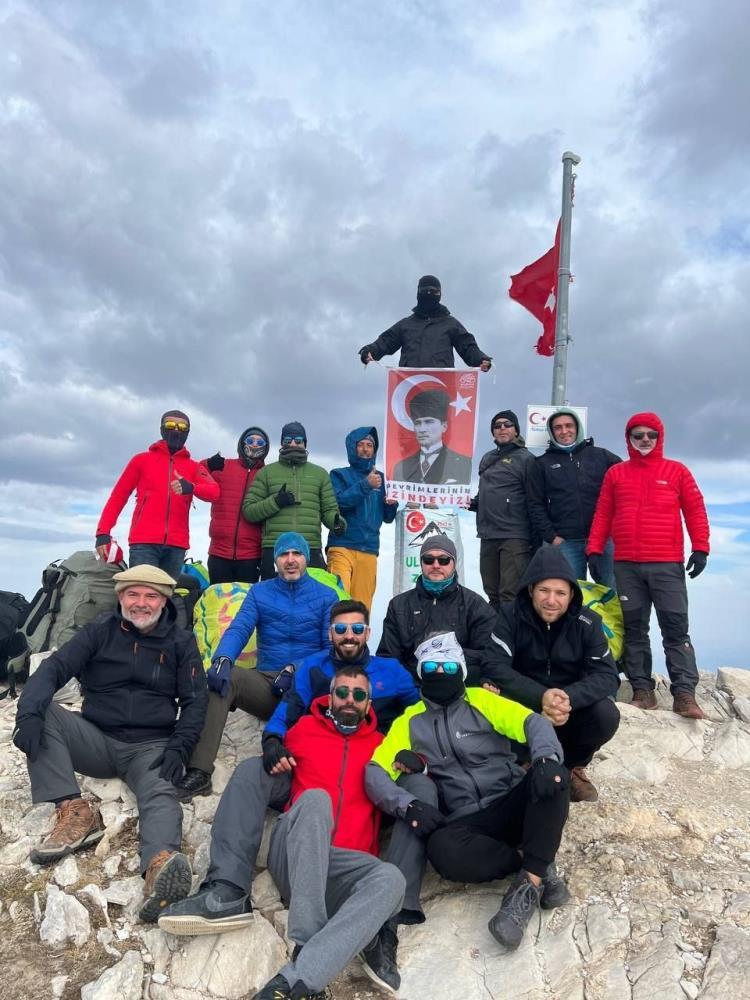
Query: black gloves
285, 497
363, 353
219, 675
696, 564
474, 505
170, 765
102, 540
283, 680
547, 778
413, 762
27, 735
423, 818
186, 486
274, 752
597, 566
339, 525
215, 463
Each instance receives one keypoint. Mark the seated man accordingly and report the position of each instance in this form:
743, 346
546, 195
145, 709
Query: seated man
322, 854
136, 667
291, 615
494, 819
437, 603
550, 656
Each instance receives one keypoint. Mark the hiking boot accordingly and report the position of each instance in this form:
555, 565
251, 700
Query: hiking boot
379, 958
195, 782
214, 909
644, 698
554, 890
519, 904
684, 704
77, 824
279, 989
582, 789
168, 879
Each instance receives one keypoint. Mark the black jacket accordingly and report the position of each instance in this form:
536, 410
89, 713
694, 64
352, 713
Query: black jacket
448, 467
525, 656
564, 487
502, 510
428, 341
132, 683
411, 616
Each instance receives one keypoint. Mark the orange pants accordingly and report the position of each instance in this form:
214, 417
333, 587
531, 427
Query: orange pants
358, 572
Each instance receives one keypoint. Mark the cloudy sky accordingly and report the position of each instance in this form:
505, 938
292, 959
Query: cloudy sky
212, 206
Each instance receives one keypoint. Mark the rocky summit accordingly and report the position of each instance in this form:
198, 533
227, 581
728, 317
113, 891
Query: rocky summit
659, 869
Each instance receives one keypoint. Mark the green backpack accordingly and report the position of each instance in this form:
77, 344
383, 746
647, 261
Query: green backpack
606, 603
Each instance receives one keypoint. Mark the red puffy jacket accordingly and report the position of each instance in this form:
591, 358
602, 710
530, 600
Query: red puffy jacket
326, 759
160, 516
642, 503
232, 537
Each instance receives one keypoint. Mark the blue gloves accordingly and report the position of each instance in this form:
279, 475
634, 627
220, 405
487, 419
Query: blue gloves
219, 675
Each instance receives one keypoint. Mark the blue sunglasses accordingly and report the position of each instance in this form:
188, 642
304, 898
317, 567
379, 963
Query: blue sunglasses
449, 666
341, 628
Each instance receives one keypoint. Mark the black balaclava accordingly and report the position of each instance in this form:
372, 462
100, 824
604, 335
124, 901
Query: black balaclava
293, 429
442, 688
428, 294
174, 439
251, 457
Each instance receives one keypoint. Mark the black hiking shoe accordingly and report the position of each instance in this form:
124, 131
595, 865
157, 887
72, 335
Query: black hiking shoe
214, 909
279, 989
554, 890
519, 904
379, 958
195, 782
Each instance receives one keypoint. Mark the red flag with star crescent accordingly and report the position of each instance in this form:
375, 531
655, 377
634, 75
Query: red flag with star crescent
535, 288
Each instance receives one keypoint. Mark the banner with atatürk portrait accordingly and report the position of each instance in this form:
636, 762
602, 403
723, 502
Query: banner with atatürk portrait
430, 430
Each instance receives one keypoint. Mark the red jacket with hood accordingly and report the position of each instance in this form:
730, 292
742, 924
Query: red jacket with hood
642, 503
336, 763
160, 516
232, 537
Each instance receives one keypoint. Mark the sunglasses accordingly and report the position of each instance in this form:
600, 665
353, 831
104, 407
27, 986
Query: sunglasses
255, 440
357, 693
502, 425
449, 666
341, 628
640, 435
442, 560
176, 425
298, 439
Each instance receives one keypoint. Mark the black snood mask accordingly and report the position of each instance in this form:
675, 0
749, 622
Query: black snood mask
174, 439
442, 688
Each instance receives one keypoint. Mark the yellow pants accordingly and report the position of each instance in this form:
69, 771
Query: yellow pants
358, 572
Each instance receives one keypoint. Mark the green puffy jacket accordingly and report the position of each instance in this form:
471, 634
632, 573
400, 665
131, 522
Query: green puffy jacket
312, 487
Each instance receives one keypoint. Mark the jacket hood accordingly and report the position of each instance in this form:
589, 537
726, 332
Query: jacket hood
319, 707
162, 446
361, 464
565, 411
241, 454
645, 420
548, 563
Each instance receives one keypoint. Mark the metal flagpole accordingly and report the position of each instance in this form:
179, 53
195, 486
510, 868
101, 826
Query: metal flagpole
560, 369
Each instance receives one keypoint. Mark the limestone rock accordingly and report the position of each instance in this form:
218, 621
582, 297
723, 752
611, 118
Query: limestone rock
265, 896
105, 789
66, 872
123, 981
646, 743
741, 708
732, 746
734, 681
65, 919
97, 897
658, 973
728, 969
127, 893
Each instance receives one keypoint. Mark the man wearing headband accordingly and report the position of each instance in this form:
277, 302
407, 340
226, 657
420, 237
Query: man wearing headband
136, 669
428, 337
642, 504
234, 552
165, 480
434, 462
322, 855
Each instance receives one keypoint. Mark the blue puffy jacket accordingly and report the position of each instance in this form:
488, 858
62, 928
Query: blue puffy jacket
363, 507
292, 619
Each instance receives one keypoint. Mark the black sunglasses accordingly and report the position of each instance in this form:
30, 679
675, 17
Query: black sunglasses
640, 435
442, 560
357, 693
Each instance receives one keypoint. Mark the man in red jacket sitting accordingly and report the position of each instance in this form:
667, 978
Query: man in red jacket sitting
322, 854
165, 479
641, 504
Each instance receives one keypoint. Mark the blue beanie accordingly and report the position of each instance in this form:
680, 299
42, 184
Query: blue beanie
291, 540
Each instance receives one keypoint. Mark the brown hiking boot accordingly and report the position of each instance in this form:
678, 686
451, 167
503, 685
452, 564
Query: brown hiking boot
168, 880
644, 698
684, 704
77, 824
582, 789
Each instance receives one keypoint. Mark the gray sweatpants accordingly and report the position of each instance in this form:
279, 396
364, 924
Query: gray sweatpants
71, 744
338, 899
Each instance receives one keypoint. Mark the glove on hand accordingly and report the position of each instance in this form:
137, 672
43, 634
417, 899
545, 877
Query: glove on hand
364, 351
548, 778
219, 675
339, 525
274, 752
285, 497
215, 463
283, 680
413, 762
170, 766
474, 505
186, 486
696, 564
102, 540
27, 735
597, 566
423, 818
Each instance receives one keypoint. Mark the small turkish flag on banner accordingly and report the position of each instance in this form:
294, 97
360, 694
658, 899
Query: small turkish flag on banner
535, 288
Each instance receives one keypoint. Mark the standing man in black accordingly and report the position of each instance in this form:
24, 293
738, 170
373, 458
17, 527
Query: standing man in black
427, 338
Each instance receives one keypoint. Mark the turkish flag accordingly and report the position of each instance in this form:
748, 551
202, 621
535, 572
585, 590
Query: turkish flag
535, 288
